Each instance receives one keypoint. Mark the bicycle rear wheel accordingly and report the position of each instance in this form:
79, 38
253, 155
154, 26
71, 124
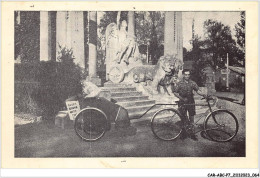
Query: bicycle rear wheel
166, 124
221, 126
90, 124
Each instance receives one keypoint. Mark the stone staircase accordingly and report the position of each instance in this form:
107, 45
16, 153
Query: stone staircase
128, 97
137, 103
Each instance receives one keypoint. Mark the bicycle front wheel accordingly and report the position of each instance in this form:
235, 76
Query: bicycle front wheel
166, 124
221, 126
90, 124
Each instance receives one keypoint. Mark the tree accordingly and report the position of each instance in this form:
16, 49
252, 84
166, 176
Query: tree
27, 36
197, 58
219, 42
240, 35
150, 30
240, 31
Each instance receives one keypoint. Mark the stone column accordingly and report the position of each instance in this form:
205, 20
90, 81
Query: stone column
61, 31
93, 48
76, 37
169, 33
180, 37
92, 44
45, 36
173, 42
70, 34
131, 23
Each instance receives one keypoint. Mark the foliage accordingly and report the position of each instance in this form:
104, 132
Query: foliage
212, 51
240, 35
150, 30
240, 31
27, 36
23, 98
198, 58
219, 42
57, 81
107, 18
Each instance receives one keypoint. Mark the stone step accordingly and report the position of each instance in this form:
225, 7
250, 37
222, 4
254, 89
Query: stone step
136, 103
130, 98
118, 89
125, 94
110, 84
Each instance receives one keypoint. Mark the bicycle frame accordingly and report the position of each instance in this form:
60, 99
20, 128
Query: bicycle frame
161, 104
164, 104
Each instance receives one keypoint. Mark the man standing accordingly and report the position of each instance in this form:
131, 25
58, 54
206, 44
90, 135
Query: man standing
184, 91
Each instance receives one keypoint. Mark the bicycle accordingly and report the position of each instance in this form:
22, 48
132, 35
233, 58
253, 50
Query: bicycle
219, 125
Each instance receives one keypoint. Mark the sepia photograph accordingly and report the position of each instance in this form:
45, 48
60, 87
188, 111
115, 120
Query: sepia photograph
130, 83
121, 83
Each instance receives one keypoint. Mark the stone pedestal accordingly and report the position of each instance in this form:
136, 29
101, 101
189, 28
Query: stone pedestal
96, 80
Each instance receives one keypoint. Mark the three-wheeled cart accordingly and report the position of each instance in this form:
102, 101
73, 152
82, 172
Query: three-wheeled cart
95, 116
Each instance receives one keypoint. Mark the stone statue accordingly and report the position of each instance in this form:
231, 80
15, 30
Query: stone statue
154, 75
128, 48
121, 49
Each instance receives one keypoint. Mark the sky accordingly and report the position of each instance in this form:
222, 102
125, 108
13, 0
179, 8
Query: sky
227, 18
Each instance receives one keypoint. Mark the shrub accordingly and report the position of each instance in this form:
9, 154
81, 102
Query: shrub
57, 82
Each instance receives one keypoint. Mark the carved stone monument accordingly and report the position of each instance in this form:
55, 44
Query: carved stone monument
124, 64
122, 53
153, 77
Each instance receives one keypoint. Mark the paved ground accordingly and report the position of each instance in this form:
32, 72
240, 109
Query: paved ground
47, 140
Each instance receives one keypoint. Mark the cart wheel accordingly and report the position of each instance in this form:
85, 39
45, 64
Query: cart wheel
221, 126
90, 124
116, 74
